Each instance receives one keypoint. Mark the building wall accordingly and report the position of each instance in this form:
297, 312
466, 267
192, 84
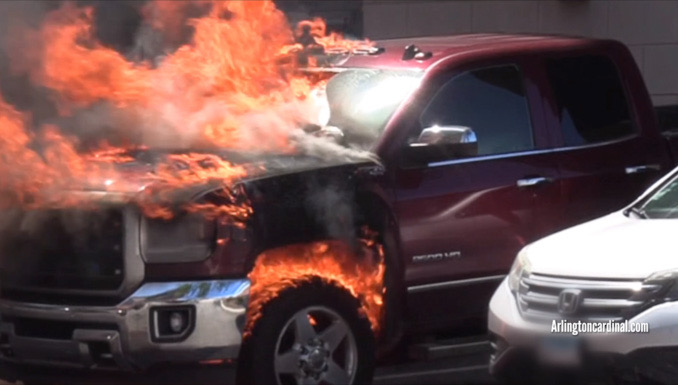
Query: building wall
648, 27
340, 15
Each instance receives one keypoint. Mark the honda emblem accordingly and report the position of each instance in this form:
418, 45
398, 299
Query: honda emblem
568, 301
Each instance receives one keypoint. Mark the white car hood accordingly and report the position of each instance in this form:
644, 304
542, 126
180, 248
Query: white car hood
613, 246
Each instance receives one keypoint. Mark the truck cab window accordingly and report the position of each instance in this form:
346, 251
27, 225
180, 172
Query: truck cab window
490, 101
590, 98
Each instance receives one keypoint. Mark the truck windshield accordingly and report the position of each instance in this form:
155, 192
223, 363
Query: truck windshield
361, 101
664, 203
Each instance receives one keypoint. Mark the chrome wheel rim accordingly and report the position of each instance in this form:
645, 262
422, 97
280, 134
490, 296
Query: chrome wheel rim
316, 346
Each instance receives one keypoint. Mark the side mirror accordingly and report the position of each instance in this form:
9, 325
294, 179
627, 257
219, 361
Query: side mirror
439, 143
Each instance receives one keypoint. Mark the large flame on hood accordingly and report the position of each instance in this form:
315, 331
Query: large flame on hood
233, 84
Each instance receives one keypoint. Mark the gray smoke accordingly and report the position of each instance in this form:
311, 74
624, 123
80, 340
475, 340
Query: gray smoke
330, 151
332, 206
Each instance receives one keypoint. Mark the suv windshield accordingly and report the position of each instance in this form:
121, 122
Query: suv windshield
361, 101
663, 203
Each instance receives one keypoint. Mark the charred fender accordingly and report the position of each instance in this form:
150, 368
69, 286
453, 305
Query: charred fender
309, 225
358, 271
374, 210
325, 223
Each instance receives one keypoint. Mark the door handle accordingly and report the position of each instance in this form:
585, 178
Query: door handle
528, 182
643, 168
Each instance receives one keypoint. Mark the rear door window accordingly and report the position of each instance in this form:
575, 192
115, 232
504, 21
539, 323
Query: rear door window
492, 102
590, 98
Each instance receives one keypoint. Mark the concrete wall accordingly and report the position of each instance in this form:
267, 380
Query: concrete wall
648, 27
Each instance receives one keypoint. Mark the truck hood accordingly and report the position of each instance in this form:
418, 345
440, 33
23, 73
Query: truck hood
613, 246
134, 177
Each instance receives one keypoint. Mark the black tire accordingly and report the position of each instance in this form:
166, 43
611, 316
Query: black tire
256, 361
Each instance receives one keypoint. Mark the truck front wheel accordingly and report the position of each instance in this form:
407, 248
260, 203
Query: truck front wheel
310, 334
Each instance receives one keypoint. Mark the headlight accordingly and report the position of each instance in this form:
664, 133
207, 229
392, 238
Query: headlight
663, 285
184, 238
521, 266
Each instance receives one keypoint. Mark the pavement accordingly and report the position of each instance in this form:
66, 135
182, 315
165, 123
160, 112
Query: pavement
471, 369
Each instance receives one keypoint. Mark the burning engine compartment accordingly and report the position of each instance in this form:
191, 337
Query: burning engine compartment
230, 84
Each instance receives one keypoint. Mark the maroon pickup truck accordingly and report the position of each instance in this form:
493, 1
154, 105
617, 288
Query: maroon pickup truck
484, 144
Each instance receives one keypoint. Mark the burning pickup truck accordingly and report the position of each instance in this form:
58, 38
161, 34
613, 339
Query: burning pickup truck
297, 255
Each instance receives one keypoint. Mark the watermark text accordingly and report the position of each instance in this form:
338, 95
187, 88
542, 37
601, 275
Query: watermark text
576, 327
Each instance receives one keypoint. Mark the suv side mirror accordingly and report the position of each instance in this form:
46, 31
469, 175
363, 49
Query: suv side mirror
440, 143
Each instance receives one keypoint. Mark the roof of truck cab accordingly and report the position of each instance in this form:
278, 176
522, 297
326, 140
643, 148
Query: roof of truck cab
445, 46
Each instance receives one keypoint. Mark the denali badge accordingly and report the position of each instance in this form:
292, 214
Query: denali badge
568, 301
436, 256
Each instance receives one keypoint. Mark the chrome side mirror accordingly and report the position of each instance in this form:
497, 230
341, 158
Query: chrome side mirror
440, 143
440, 135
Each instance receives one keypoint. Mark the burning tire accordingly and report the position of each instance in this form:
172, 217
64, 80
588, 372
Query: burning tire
312, 334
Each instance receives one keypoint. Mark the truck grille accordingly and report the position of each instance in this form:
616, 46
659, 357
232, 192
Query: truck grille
541, 298
67, 250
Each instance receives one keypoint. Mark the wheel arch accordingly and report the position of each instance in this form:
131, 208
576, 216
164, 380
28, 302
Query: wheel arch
378, 214
370, 207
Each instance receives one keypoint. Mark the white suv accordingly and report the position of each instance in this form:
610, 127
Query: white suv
601, 295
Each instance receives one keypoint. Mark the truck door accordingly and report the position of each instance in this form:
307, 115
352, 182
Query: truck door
605, 159
462, 220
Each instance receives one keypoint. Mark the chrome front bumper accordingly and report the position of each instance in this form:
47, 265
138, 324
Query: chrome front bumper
120, 337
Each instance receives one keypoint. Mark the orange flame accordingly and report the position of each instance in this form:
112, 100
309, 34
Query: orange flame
335, 262
39, 178
224, 88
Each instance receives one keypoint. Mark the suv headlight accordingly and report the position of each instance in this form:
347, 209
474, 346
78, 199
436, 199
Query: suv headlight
521, 266
666, 283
